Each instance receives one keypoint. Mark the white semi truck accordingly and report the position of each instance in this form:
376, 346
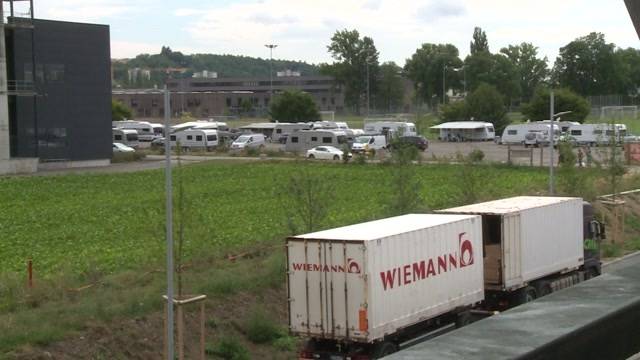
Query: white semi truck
362, 291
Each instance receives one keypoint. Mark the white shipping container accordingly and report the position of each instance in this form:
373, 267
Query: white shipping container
527, 238
363, 281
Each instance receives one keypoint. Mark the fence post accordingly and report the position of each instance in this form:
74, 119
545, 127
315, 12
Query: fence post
508, 154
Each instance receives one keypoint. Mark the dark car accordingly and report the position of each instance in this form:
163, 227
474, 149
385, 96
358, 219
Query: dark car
418, 141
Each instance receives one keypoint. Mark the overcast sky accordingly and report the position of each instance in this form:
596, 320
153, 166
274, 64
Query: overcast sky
302, 28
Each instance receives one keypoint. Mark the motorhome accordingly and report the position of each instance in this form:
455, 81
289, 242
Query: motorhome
282, 129
390, 128
596, 134
304, 140
128, 137
146, 131
195, 139
202, 124
515, 133
212, 125
564, 125
465, 131
326, 125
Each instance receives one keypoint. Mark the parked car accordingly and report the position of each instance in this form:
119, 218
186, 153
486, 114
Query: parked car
418, 141
122, 148
157, 143
369, 142
631, 139
326, 153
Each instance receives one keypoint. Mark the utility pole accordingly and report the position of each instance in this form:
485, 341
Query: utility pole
551, 141
367, 86
271, 47
169, 220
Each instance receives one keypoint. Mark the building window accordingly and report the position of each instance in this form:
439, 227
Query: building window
117, 137
314, 138
154, 102
333, 101
278, 131
512, 132
54, 72
228, 102
324, 101
134, 103
294, 139
198, 137
327, 140
576, 132
173, 138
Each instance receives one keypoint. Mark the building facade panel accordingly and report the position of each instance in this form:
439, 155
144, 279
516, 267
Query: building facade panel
69, 118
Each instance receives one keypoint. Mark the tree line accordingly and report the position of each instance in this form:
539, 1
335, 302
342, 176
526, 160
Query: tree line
515, 75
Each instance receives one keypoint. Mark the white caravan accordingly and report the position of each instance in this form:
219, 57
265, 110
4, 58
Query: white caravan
202, 124
390, 128
596, 134
283, 129
146, 131
466, 131
564, 125
515, 133
128, 137
304, 140
195, 139
326, 125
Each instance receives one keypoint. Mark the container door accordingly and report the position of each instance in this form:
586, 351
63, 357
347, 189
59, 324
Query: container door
492, 241
326, 288
511, 250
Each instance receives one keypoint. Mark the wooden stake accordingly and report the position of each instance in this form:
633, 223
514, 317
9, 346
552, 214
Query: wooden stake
180, 333
202, 330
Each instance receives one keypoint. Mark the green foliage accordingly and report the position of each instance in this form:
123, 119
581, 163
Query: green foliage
120, 111
564, 100
390, 88
476, 156
293, 106
352, 55
454, 111
486, 104
77, 222
285, 343
470, 179
225, 65
406, 186
428, 65
261, 328
591, 66
532, 70
493, 69
479, 42
229, 348
306, 199
121, 157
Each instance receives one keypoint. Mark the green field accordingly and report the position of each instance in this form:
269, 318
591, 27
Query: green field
108, 223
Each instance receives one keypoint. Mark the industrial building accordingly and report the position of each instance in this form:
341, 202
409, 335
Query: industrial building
204, 97
55, 92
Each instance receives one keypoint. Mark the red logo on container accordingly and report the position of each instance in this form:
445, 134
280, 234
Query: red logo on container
353, 266
466, 250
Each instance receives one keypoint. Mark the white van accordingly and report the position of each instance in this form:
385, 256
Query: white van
595, 134
247, 141
369, 142
391, 128
515, 133
195, 139
128, 137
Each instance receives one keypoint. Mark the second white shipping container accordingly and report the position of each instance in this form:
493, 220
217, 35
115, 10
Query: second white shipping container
365, 281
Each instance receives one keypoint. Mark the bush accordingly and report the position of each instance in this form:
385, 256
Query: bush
285, 343
127, 157
262, 328
229, 348
252, 151
564, 100
476, 156
487, 104
293, 106
455, 111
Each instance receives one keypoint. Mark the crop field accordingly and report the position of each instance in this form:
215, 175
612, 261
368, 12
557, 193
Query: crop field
114, 222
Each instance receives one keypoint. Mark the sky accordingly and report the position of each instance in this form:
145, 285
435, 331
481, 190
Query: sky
302, 28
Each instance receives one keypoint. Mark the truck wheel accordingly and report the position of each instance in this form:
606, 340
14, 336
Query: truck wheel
591, 273
383, 349
463, 319
528, 294
543, 288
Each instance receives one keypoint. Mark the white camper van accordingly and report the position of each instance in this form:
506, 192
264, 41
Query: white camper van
195, 139
595, 134
304, 140
146, 131
285, 129
515, 133
128, 137
390, 128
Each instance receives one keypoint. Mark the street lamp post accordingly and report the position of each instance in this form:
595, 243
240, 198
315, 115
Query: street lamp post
271, 47
444, 74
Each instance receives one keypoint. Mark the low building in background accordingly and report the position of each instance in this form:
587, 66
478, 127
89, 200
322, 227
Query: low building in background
206, 97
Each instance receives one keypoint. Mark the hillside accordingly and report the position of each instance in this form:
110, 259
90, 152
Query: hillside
185, 65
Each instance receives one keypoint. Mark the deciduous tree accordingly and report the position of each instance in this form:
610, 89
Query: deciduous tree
532, 70
564, 100
427, 66
293, 106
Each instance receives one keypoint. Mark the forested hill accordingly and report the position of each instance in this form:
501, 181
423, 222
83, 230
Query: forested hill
177, 65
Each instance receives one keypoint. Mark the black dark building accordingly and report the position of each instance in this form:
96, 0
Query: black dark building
59, 109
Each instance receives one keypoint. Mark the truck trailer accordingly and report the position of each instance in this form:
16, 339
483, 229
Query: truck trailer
363, 291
